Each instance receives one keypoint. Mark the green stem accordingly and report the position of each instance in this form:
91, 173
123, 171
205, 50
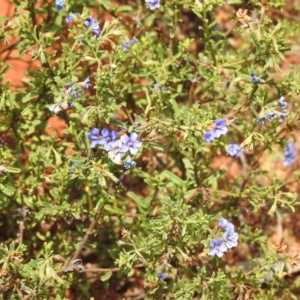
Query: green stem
207, 39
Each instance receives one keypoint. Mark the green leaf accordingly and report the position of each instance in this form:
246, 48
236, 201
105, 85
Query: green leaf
106, 276
57, 157
172, 177
30, 96
12, 170
113, 209
138, 200
214, 177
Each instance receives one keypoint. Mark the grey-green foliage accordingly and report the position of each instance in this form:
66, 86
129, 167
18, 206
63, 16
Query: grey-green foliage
163, 215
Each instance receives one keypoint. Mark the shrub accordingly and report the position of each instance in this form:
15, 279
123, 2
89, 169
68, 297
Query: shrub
176, 159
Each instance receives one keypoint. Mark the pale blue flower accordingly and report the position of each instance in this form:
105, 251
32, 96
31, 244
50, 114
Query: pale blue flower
129, 163
86, 83
115, 151
59, 4
153, 4
290, 154
107, 138
217, 247
126, 45
208, 137
230, 238
281, 103
220, 128
271, 116
162, 275
94, 135
91, 23
225, 225
234, 150
131, 143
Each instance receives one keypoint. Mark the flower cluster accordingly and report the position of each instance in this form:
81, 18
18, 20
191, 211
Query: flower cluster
273, 114
73, 91
129, 163
161, 273
73, 167
70, 17
230, 239
116, 148
219, 129
290, 154
153, 4
254, 79
126, 45
89, 23
234, 150
157, 86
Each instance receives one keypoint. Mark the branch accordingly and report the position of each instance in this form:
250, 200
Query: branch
83, 242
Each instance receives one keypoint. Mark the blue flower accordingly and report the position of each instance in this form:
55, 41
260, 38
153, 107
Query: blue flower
90, 23
156, 87
217, 247
254, 79
153, 4
116, 151
230, 238
129, 163
59, 4
73, 167
271, 116
86, 83
225, 225
282, 116
281, 103
208, 137
107, 138
220, 128
70, 17
94, 136
131, 143
261, 120
162, 275
234, 150
73, 91
290, 154
57, 107
126, 45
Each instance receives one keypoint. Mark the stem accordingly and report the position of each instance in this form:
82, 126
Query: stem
234, 63
21, 230
207, 38
128, 115
83, 242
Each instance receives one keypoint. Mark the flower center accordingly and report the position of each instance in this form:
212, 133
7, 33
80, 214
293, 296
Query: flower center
130, 144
